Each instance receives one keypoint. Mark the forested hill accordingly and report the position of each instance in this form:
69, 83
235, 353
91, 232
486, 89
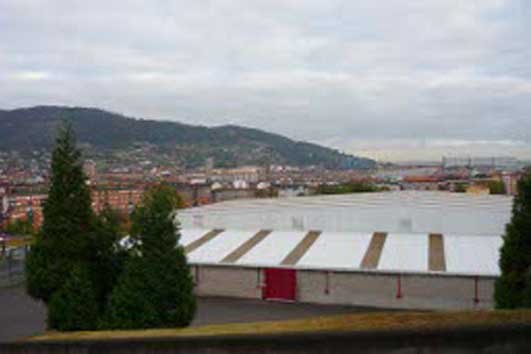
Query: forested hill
28, 129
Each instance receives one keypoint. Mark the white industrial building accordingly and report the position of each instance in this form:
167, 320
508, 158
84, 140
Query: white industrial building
428, 250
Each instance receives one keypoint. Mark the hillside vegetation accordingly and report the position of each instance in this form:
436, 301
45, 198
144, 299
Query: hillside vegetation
33, 128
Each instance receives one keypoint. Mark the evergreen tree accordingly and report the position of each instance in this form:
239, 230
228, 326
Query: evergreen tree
38, 272
154, 222
68, 219
131, 305
527, 291
106, 258
74, 306
515, 257
157, 280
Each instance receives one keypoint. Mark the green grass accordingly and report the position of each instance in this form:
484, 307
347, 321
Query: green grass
355, 322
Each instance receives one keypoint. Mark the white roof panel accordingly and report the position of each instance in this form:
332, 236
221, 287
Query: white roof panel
402, 252
219, 247
273, 249
472, 254
337, 250
405, 252
190, 235
393, 212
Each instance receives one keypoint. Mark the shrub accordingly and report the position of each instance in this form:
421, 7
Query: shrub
74, 306
348, 188
131, 304
496, 187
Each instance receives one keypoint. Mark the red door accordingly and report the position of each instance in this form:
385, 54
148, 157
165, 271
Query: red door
280, 284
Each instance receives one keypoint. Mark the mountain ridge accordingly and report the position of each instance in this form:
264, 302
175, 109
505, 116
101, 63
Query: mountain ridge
31, 128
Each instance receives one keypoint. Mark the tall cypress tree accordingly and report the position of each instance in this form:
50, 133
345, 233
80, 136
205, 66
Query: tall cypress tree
68, 220
156, 287
515, 257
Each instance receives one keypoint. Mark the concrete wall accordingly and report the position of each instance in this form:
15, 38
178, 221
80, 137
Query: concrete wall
228, 281
405, 291
231, 194
500, 339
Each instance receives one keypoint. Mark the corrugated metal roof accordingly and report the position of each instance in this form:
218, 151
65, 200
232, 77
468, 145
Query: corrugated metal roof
337, 250
400, 253
219, 247
472, 254
405, 252
394, 212
273, 249
190, 235
381, 232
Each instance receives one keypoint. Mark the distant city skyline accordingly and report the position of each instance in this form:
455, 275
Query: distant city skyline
433, 151
393, 80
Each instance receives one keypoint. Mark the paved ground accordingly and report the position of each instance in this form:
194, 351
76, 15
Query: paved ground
224, 310
20, 316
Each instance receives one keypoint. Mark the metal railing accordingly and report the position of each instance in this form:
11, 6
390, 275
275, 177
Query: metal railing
12, 265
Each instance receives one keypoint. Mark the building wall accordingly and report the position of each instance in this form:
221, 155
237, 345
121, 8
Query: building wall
409, 291
19, 206
231, 194
192, 195
406, 291
228, 281
118, 199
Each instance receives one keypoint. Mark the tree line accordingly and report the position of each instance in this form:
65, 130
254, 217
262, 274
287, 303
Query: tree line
347, 188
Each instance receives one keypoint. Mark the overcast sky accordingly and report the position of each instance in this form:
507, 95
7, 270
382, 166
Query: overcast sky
394, 80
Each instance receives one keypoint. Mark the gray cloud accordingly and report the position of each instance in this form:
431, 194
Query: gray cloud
391, 79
